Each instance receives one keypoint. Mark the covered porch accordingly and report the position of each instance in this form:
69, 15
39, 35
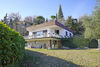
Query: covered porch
45, 43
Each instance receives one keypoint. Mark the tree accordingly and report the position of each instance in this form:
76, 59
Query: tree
40, 19
11, 46
56, 17
53, 17
74, 25
68, 22
29, 19
6, 19
60, 13
92, 24
46, 19
16, 17
13, 19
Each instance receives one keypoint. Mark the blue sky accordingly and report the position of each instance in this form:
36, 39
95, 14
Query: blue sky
46, 8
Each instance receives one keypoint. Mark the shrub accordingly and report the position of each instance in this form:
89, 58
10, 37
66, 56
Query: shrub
68, 43
93, 43
75, 42
80, 42
11, 46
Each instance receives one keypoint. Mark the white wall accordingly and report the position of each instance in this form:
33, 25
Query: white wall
62, 32
30, 33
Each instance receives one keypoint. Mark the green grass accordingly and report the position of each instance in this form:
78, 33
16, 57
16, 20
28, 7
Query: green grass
65, 58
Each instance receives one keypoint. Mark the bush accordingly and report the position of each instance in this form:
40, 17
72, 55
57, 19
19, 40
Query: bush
93, 43
80, 42
11, 46
68, 43
76, 42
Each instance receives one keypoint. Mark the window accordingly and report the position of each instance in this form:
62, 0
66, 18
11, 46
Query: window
66, 33
57, 31
70, 34
44, 31
34, 32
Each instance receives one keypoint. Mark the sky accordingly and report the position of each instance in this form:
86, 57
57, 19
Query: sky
46, 8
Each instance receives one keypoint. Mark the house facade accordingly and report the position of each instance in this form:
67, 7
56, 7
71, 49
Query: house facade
47, 35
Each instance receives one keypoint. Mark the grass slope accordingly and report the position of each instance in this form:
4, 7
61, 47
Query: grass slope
64, 58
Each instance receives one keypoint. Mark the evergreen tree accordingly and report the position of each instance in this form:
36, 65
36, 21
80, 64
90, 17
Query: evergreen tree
40, 19
46, 19
60, 13
5, 19
56, 17
68, 22
53, 17
72, 25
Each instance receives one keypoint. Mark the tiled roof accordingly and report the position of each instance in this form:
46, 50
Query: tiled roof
34, 27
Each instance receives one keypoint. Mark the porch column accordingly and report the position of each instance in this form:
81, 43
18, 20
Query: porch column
50, 44
99, 44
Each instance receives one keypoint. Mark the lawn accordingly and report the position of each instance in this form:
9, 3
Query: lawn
62, 58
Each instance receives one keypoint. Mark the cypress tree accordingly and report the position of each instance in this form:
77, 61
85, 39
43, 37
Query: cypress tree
60, 13
56, 17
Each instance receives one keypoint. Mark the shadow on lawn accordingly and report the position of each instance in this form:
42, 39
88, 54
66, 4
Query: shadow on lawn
36, 59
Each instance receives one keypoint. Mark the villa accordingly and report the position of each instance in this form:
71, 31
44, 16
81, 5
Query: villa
47, 35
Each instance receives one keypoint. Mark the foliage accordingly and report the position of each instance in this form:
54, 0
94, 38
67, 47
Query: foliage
5, 19
60, 13
69, 22
46, 19
11, 46
72, 25
80, 42
53, 17
56, 17
68, 43
89, 26
30, 20
40, 19
93, 43
92, 24
76, 42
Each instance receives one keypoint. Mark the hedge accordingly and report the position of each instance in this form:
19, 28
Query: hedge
11, 46
79, 42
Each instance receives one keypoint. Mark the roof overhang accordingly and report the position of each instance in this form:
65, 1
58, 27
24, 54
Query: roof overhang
48, 25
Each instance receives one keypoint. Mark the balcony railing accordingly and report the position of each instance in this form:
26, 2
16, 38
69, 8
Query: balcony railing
43, 36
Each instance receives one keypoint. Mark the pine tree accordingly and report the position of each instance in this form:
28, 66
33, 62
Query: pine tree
46, 19
60, 13
56, 17
68, 22
5, 19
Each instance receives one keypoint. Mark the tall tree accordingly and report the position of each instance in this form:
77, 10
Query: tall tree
46, 19
13, 19
72, 24
53, 17
56, 17
68, 22
40, 19
92, 23
14, 16
29, 20
6, 19
60, 13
